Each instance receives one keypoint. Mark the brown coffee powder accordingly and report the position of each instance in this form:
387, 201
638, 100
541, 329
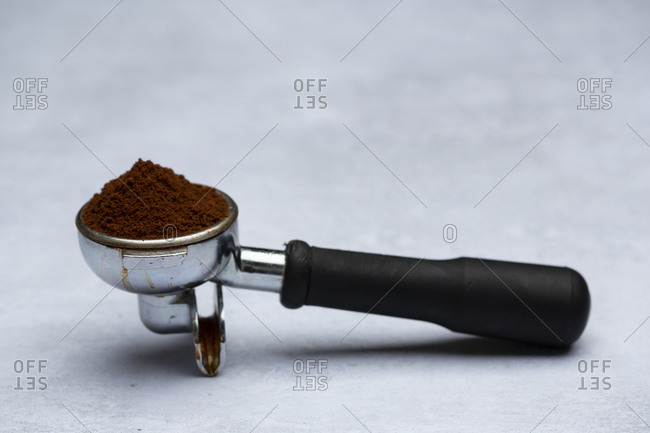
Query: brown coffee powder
152, 202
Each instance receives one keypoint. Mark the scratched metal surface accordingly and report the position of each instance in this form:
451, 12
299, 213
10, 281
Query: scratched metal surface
444, 113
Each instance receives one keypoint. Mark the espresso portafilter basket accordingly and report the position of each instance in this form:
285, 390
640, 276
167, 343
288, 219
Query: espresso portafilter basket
543, 305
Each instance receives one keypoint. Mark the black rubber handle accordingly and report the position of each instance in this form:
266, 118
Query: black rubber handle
537, 304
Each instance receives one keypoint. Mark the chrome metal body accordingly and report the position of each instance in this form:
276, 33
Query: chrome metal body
164, 273
256, 269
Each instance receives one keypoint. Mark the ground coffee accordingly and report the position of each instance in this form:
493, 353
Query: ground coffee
153, 202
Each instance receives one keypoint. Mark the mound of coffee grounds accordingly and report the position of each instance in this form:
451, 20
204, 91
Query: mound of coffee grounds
152, 202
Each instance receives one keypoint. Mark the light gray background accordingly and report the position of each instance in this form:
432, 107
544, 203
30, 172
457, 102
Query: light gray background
450, 96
